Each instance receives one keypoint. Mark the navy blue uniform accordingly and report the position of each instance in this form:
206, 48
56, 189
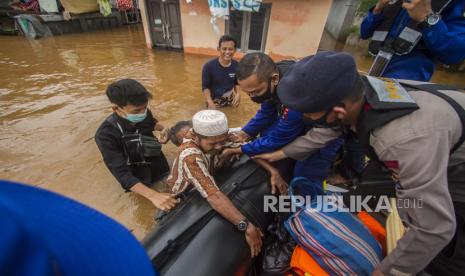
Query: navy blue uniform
217, 78
445, 42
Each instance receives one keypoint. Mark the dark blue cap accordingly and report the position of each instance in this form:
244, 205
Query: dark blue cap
43, 233
318, 82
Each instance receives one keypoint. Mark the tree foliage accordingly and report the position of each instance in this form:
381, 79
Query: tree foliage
364, 6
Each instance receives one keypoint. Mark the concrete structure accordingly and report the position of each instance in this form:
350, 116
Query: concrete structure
58, 25
294, 27
341, 18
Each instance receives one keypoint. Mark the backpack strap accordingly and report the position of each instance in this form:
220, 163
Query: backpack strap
114, 122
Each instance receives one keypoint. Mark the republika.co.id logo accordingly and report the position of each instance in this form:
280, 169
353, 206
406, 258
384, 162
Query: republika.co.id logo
335, 203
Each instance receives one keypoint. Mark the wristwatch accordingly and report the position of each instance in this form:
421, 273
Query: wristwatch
429, 21
242, 225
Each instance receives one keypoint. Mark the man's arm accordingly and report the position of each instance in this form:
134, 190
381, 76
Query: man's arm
276, 181
162, 201
446, 39
372, 19
223, 205
263, 119
237, 96
422, 168
206, 84
197, 172
284, 132
115, 161
208, 98
302, 147
315, 139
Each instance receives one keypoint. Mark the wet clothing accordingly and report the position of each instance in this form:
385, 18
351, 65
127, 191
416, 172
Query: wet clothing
416, 148
110, 143
444, 42
276, 124
192, 168
218, 79
225, 100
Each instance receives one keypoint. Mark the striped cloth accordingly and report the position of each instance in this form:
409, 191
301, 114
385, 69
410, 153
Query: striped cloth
337, 240
192, 167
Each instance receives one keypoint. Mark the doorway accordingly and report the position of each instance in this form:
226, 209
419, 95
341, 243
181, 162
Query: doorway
165, 23
249, 29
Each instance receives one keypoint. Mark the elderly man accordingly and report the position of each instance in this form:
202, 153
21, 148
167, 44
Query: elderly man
194, 164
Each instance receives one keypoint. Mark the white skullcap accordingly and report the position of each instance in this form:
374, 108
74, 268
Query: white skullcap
210, 123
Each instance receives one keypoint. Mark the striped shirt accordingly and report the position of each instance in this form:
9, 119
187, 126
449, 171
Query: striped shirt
192, 167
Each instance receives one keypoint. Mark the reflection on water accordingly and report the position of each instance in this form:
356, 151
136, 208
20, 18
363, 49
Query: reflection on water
52, 100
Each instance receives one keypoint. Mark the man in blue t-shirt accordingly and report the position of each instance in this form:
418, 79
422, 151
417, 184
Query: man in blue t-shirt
219, 85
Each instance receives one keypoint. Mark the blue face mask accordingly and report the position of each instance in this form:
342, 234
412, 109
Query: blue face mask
136, 118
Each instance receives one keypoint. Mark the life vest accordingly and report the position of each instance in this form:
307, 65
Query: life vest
407, 39
388, 99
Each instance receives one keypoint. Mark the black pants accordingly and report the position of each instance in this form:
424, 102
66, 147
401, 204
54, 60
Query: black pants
451, 260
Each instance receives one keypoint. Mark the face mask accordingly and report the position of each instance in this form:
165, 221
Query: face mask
322, 123
136, 118
265, 97
308, 123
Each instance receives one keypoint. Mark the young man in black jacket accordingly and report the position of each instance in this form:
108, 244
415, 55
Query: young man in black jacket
127, 143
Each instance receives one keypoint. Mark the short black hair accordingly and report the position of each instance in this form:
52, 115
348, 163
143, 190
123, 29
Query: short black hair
225, 38
176, 128
127, 91
255, 63
357, 91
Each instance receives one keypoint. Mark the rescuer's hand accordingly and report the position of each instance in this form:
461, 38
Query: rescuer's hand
253, 236
418, 10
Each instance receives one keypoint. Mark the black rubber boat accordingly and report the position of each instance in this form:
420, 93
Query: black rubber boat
194, 240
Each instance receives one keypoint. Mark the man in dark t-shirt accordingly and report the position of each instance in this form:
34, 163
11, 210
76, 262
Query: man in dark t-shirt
219, 84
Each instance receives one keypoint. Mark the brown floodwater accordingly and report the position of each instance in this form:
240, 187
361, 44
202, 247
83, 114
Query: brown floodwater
52, 100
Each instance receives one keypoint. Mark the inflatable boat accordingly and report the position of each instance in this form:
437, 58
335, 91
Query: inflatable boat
193, 239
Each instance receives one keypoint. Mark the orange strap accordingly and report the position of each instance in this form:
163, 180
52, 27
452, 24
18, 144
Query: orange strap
376, 229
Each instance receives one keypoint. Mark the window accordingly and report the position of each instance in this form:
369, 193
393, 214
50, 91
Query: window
249, 28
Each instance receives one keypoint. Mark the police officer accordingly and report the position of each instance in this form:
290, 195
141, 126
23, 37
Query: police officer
275, 124
418, 135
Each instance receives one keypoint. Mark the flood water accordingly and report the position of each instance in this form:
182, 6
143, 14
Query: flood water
52, 100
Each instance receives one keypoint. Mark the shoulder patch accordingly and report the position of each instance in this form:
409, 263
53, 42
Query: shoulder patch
389, 90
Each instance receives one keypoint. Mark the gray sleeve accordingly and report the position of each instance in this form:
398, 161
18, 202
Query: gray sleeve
304, 146
422, 170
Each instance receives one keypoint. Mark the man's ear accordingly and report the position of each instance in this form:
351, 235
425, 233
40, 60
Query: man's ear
114, 107
275, 78
340, 111
195, 137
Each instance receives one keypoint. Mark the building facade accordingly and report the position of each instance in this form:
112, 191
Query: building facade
281, 28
